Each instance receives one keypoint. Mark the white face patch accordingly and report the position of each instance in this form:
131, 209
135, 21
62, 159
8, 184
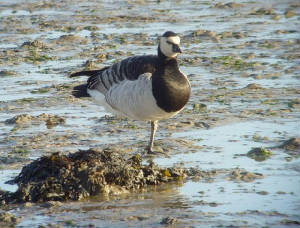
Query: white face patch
166, 46
174, 39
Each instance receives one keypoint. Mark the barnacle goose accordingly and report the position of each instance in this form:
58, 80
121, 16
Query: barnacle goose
149, 87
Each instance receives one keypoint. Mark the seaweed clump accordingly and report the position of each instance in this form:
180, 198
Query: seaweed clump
259, 154
87, 173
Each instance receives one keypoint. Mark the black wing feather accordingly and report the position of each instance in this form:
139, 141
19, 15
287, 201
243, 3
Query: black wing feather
130, 69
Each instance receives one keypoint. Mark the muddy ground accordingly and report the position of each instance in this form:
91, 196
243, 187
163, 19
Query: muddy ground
241, 123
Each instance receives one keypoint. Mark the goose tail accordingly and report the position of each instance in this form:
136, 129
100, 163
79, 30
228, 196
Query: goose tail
87, 73
80, 91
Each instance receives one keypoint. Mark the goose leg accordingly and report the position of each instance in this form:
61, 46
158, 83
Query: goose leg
154, 125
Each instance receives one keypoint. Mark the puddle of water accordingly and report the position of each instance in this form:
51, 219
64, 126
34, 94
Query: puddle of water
6, 175
237, 197
14, 13
7, 46
228, 141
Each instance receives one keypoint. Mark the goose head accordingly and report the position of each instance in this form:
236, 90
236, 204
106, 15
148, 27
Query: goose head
169, 45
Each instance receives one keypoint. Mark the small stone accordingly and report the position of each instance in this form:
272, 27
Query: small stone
169, 221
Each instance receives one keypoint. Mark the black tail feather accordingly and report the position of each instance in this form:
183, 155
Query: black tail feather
80, 91
87, 73
84, 73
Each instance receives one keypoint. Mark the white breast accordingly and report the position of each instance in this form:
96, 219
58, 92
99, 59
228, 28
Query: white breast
133, 99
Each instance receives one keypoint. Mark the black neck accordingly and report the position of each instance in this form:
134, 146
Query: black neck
170, 87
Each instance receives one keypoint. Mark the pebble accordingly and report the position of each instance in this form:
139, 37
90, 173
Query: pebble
169, 221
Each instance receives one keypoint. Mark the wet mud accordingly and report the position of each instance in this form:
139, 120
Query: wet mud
235, 145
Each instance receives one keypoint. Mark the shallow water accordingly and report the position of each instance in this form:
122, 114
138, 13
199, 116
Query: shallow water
239, 48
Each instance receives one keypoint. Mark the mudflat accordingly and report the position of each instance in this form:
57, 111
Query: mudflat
229, 159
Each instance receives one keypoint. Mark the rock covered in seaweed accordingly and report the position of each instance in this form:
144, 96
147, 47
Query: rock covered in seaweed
87, 173
259, 153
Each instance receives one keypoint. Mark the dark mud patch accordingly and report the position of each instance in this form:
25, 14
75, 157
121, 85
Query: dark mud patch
88, 173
